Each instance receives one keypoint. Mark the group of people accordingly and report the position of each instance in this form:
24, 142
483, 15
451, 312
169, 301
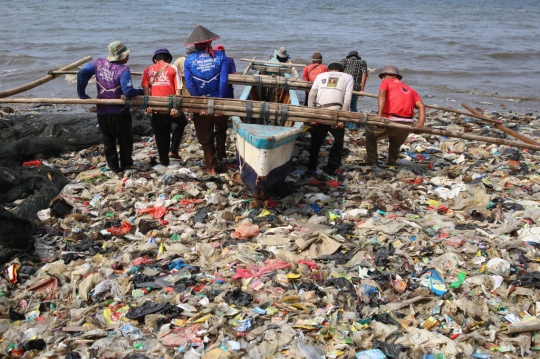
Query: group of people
204, 71
333, 88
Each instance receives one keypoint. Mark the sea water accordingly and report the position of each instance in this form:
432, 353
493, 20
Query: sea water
482, 52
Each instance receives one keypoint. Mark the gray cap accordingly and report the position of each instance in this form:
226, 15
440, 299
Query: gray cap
390, 70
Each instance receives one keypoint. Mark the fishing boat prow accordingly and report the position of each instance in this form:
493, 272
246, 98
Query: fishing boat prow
265, 148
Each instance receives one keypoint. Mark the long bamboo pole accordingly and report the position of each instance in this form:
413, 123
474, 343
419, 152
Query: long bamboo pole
42, 80
501, 127
230, 107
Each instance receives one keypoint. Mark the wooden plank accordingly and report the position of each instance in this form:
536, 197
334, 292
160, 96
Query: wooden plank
270, 63
42, 80
248, 67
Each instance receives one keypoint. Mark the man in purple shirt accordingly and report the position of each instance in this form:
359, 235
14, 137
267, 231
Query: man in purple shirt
113, 79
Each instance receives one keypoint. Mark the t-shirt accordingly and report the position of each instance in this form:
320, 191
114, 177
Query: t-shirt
166, 83
310, 72
400, 100
333, 88
180, 64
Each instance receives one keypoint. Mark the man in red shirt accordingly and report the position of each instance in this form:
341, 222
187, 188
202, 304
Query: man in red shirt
396, 102
311, 71
163, 79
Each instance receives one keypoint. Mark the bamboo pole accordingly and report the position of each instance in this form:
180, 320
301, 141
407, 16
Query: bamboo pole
501, 127
42, 80
76, 72
270, 63
230, 107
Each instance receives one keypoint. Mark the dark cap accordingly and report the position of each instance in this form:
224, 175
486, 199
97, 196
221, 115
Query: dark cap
353, 53
317, 57
338, 66
161, 51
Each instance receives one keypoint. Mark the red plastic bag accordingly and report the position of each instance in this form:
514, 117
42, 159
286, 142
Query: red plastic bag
334, 183
35, 163
156, 212
142, 260
125, 228
245, 230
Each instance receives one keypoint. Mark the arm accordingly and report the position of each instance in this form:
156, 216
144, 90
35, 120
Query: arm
190, 83
363, 84
381, 102
83, 76
224, 78
348, 95
232, 66
421, 113
127, 86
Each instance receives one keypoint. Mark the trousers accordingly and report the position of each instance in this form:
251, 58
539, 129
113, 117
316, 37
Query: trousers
211, 133
162, 124
117, 127
318, 134
396, 137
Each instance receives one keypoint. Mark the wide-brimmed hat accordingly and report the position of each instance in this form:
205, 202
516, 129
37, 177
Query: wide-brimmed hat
353, 53
161, 51
282, 52
220, 47
316, 57
390, 70
117, 51
190, 49
201, 34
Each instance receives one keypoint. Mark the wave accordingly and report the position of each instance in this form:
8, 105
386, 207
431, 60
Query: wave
18, 60
514, 55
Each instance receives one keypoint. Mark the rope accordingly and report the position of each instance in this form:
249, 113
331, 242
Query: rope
259, 87
284, 114
285, 84
335, 117
127, 104
264, 113
171, 100
210, 106
249, 112
144, 105
178, 103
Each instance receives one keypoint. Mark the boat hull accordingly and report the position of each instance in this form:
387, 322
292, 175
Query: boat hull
264, 156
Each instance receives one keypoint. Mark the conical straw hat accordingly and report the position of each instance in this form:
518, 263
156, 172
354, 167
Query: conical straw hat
201, 34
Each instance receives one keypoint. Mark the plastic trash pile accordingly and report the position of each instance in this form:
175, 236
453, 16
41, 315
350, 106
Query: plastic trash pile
435, 258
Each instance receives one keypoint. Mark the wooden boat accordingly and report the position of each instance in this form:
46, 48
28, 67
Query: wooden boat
265, 146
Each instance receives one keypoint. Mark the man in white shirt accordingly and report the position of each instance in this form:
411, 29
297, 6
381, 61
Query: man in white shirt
331, 90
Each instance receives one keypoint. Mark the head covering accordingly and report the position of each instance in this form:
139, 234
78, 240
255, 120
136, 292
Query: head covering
201, 34
190, 49
117, 51
390, 70
161, 51
220, 47
353, 53
282, 52
203, 37
336, 65
316, 57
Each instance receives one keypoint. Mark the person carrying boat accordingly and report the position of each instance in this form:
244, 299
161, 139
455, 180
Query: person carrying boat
207, 72
232, 70
396, 102
311, 71
113, 79
163, 79
282, 55
357, 68
179, 63
331, 90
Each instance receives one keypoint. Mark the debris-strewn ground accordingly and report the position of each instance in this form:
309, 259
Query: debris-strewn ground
436, 258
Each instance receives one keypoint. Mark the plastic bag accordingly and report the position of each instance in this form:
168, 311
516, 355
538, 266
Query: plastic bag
245, 230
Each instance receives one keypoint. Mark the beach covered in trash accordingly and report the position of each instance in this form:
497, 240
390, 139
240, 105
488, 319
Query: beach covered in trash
435, 258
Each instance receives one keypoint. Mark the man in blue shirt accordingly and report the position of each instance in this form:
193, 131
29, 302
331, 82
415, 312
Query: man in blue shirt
207, 74
113, 79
